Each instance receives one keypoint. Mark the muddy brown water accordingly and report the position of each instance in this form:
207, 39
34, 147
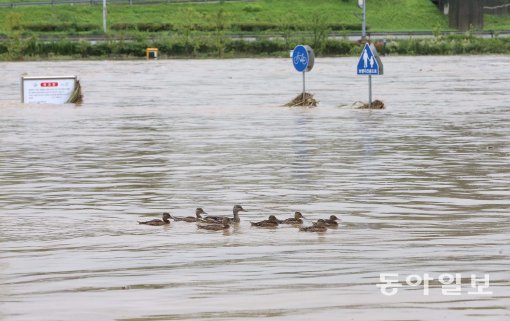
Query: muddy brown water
421, 187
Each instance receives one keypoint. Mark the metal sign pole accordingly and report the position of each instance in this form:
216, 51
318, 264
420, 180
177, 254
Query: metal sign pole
104, 16
364, 23
369, 62
303, 86
364, 38
369, 91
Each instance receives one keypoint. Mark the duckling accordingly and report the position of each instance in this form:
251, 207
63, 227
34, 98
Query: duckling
320, 226
332, 221
297, 219
271, 222
190, 219
218, 219
158, 222
217, 226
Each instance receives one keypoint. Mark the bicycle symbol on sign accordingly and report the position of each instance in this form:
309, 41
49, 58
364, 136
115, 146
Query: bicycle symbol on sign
300, 58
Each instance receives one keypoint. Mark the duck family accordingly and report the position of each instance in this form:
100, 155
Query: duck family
222, 223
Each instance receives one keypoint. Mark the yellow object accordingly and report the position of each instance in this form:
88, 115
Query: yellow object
151, 53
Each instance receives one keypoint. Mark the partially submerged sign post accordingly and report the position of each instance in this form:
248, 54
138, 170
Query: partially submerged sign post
370, 64
50, 90
303, 59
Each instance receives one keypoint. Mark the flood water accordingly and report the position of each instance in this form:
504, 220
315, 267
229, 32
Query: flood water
421, 187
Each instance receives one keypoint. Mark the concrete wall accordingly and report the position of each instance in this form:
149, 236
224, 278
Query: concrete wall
497, 7
465, 14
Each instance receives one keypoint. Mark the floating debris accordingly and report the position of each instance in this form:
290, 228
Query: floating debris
376, 104
76, 97
305, 100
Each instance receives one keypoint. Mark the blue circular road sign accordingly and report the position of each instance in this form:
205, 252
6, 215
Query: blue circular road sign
300, 58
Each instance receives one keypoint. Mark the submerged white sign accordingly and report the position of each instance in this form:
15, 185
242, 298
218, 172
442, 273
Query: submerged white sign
47, 90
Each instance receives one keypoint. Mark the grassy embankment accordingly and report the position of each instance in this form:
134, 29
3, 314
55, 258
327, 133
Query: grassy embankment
204, 30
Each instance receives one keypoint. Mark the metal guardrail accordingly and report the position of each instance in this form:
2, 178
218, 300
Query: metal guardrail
99, 2
253, 37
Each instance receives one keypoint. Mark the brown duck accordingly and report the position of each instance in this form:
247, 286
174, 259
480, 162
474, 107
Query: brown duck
219, 219
320, 226
332, 221
297, 219
190, 219
157, 222
272, 221
216, 226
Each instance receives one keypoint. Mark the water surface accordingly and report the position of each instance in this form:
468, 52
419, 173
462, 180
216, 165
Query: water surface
421, 187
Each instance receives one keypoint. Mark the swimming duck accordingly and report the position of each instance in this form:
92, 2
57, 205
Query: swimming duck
297, 219
332, 221
218, 219
320, 226
158, 222
190, 219
223, 225
272, 221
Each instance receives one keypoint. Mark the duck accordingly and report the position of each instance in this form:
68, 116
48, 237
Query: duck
272, 221
319, 226
223, 225
190, 219
297, 219
218, 219
331, 221
157, 222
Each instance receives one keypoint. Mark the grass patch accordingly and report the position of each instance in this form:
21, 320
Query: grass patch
382, 15
496, 22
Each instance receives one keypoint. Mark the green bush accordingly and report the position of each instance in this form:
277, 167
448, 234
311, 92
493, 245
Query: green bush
339, 47
144, 27
3, 48
252, 8
207, 45
345, 26
56, 27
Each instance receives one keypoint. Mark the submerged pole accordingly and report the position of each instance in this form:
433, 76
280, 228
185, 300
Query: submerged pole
369, 91
364, 38
303, 86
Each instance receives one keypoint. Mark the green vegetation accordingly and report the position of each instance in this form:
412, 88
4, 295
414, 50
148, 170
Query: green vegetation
256, 16
205, 30
451, 45
212, 47
496, 23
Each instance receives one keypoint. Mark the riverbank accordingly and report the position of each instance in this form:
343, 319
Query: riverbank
218, 46
260, 28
